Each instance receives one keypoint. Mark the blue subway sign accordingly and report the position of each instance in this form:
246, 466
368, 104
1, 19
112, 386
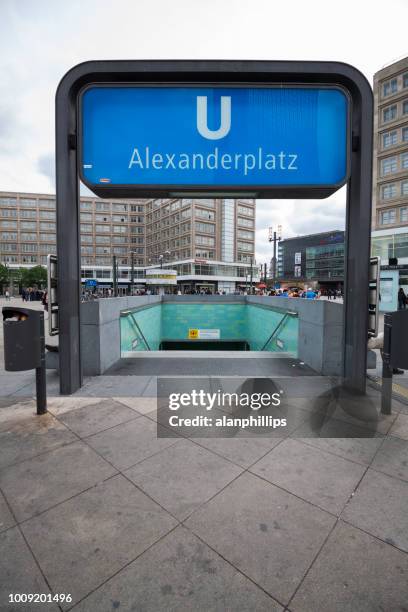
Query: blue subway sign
205, 138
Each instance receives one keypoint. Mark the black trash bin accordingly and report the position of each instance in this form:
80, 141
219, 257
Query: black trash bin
24, 346
22, 339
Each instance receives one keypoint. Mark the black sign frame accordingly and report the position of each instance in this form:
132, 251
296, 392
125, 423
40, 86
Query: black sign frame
358, 216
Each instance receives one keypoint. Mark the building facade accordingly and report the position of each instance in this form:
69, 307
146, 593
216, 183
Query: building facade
390, 180
316, 260
390, 164
210, 242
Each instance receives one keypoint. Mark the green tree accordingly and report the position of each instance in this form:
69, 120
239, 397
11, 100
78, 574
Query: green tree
34, 276
3, 274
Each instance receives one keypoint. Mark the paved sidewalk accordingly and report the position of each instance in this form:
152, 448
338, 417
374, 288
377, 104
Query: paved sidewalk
93, 504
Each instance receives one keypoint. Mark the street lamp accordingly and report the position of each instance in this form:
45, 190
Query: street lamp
275, 237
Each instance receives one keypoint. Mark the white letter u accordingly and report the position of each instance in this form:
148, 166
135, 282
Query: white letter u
202, 124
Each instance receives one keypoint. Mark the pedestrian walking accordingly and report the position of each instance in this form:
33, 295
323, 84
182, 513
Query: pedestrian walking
7, 294
402, 299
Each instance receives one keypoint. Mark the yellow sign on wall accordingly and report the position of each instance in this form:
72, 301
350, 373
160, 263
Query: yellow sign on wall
193, 334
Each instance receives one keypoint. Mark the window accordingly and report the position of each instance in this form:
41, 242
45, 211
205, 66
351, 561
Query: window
102, 218
103, 229
48, 248
405, 107
86, 206
102, 239
9, 212
388, 216
389, 191
119, 250
405, 134
47, 214
136, 219
390, 87
9, 224
136, 208
389, 139
405, 80
29, 236
119, 207
103, 206
86, 250
119, 239
388, 165
29, 259
28, 225
47, 226
245, 222
28, 202
84, 239
47, 203
8, 201
29, 248
205, 214
120, 218
86, 216
27, 214
245, 246
246, 234
205, 240
404, 188
86, 228
404, 214
206, 228
103, 250
244, 210
389, 113
9, 236
48, 237
404, 160
120, 229
5, 247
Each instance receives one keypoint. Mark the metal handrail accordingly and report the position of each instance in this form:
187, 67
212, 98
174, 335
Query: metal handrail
287, 314
139, 330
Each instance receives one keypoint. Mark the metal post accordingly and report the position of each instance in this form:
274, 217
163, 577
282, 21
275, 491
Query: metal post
132, 273
40, 377
251, 285
68, 241
386, 387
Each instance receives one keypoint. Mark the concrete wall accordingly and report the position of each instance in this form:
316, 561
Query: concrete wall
100, 330
320, 343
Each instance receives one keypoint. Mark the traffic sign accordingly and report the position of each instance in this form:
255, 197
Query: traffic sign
213, 137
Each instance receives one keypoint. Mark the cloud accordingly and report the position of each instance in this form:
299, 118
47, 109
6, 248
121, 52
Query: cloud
46, 166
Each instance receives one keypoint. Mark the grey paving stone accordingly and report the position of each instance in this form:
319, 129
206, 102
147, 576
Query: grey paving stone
379, 506
314, 475
354, 573
20, 574
400, 427
6, 518
183, 477
84, 541
113, 386
32, 436
392, 458
129, 443
142, 405
178, 574
341, 438
39, 483
243, 451
97, 417
268, 534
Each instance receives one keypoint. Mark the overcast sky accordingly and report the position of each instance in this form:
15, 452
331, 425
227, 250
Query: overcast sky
41, 39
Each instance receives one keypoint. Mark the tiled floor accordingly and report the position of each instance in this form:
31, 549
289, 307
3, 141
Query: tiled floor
93, 504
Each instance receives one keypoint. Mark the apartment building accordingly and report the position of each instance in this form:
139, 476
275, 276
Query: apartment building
186, 233
390, 179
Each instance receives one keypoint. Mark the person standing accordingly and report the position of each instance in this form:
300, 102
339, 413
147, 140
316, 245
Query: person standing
7, 295
402, 299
